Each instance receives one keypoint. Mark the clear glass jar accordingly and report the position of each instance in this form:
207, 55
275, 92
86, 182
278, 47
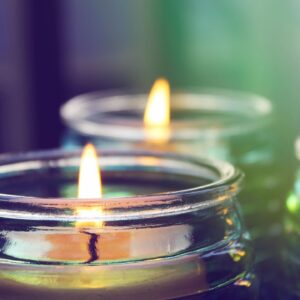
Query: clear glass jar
168, 227
228, 125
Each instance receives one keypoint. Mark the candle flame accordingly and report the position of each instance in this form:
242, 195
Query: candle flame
89, 183
157, 112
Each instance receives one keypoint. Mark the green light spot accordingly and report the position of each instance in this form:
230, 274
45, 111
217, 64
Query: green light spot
293, 203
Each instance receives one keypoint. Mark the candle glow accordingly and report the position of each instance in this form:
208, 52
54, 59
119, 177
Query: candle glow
157, 113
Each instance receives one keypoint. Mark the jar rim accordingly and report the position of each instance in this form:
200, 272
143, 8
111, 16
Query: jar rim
253, 111
148, 206
297, 147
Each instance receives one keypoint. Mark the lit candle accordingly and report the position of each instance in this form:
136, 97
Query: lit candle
104, 245
159, 246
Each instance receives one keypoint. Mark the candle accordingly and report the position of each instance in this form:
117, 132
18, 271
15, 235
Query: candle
208, 122
228, 125
183, 238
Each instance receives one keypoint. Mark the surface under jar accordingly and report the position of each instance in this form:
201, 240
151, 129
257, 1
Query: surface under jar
167, 227
229, 125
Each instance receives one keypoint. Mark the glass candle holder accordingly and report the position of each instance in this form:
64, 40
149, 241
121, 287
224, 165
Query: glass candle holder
167, 227
228, 125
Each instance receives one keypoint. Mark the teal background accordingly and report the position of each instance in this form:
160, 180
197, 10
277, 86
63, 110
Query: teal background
246, 45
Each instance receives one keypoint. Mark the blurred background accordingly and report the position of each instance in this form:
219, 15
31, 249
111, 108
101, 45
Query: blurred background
51, 50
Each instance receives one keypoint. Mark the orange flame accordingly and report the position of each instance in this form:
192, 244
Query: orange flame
89, 183
89, 186
157, 113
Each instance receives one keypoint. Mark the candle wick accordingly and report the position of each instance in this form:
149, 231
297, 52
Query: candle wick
92, 247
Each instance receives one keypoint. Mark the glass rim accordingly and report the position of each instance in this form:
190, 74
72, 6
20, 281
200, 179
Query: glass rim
255, 111
134, 207
297, 147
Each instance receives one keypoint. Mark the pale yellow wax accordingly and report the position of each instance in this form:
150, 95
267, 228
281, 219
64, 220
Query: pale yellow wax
154, 279
72, 245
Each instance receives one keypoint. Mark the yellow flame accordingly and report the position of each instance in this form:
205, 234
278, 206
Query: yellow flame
157, 112
89, 183
89, 186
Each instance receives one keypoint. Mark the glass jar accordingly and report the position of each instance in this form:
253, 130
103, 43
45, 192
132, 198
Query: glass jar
167, 227
228, 125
